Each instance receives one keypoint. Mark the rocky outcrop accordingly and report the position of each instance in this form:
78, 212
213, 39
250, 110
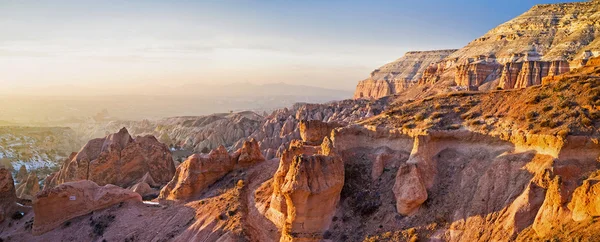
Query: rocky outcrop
29, 187
249, 154
313, 131
118, 159
304, 191
55, 206
196, 173
398, 75
312, 190
526, 49
519, 73
409, 190
8, 197
201, 170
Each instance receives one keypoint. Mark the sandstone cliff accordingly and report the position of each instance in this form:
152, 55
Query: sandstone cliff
546, 41
398, 75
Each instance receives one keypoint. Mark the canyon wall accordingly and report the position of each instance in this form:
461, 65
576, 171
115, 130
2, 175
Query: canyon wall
398, 75
547, 40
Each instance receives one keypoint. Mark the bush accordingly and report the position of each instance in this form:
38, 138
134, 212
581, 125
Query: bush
537, 99
547, 108
420, 116
531, 115
471, 115
408, 126
436, 115
586, 121
563, 133
567, 104
476, 122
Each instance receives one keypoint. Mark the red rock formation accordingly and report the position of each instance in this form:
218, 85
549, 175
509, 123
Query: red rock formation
249, 154
8, 197
477, 72
312, 190
54, 206
398, 75
196, 173
409, 190
120, 160
28, 188
313, 131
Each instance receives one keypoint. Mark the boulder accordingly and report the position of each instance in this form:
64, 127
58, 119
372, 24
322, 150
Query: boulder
409, 190
52, 207
8, 196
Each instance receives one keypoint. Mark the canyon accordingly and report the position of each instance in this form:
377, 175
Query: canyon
497, 141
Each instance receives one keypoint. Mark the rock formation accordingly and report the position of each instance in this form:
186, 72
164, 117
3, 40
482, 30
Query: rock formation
305, 191
29, 187
313, 131
409, 190
55, 206
201, 170
516, 54
196, 173
398, 75
312, 189
249, 154
8, 197
118, 159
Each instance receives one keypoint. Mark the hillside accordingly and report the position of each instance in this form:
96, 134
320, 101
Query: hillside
545, 41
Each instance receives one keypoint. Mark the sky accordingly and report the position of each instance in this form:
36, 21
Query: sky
83, 46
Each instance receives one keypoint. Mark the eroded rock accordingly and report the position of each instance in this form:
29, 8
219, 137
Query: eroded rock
55, 206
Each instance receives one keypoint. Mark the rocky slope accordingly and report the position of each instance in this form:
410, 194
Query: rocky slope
399, 75
547, 40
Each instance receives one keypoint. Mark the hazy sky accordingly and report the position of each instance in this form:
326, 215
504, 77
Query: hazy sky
60, 45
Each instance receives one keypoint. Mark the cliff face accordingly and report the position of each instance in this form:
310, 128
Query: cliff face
399, 74
547, 40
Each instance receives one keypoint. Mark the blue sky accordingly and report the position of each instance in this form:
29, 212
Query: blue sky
331, 44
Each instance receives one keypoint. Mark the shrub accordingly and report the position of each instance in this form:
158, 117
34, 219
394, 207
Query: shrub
563, 133
586, 121
453, 127
436, 115
547, 108
437, 106
471, 115
537, 99
476, 122
408, 126
567, 104
420, 116
531, 115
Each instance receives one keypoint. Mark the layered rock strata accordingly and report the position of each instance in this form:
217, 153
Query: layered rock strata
398, 75
55, 206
